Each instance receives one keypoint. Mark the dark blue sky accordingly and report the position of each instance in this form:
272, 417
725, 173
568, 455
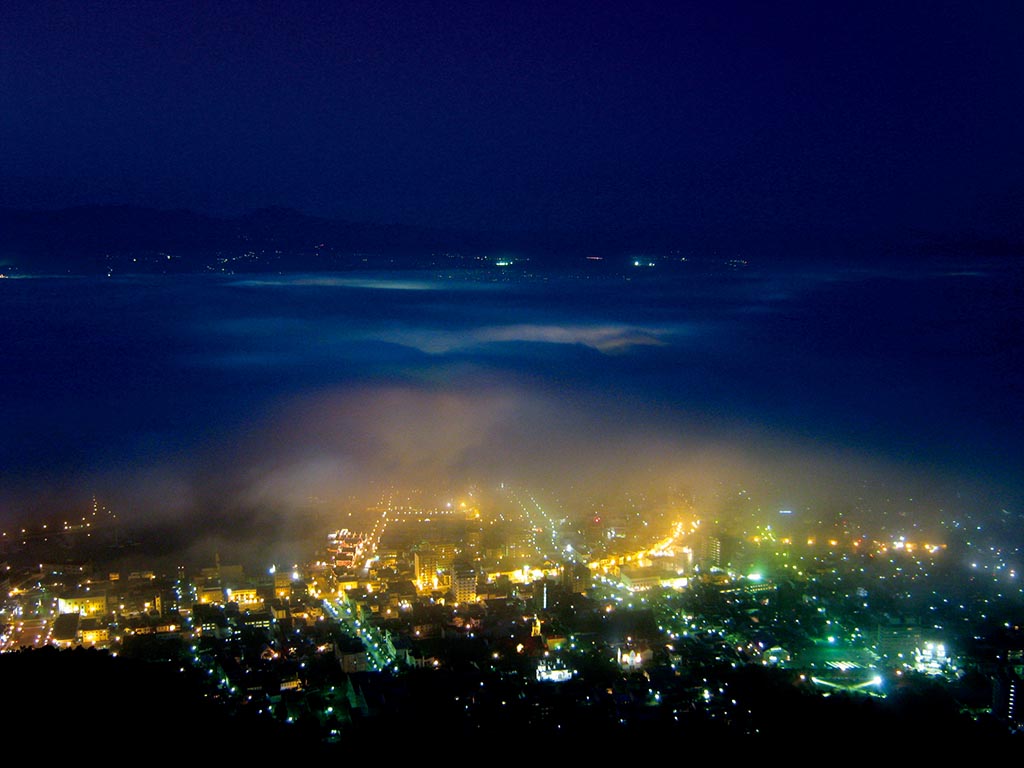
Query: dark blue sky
794, 122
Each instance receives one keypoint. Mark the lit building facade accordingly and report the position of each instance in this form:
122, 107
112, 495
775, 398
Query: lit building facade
464, 578
91, 604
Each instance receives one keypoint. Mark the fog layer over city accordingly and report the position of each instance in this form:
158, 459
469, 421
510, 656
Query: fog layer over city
246, 415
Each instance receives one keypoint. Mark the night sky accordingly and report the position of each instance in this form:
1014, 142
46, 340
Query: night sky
822, 126
858, 378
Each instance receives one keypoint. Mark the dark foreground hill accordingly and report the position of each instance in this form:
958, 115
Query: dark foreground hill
122, 705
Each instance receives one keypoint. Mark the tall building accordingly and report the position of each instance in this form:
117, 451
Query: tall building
711, 552
427, 567
1008, 697
464, 577
576, 578
432, 563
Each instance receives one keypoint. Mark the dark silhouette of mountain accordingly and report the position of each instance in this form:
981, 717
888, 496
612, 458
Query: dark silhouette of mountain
122, 238
108, 239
